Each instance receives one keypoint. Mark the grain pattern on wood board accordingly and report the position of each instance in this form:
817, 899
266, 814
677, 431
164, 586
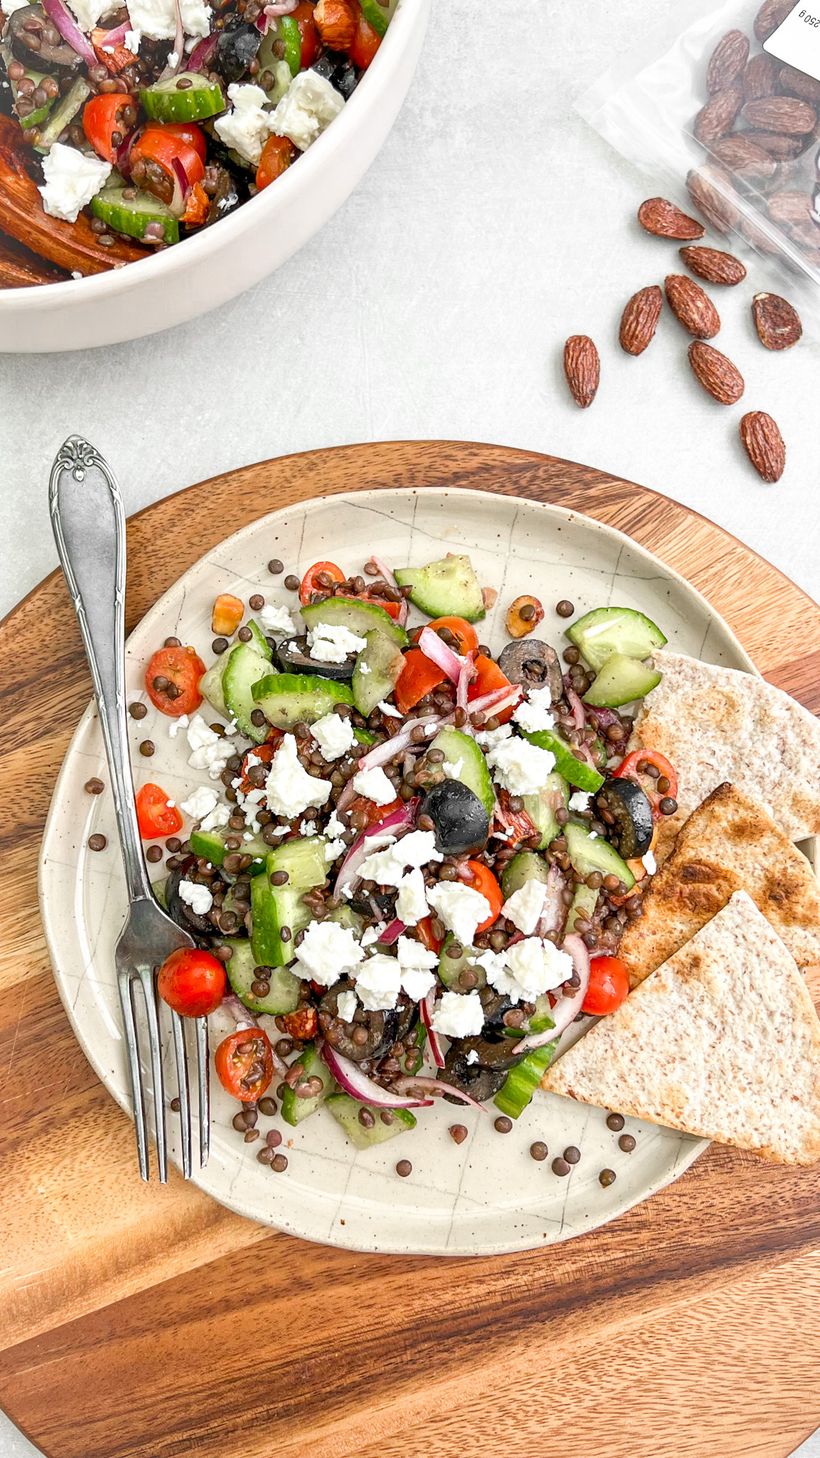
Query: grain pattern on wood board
137, 1322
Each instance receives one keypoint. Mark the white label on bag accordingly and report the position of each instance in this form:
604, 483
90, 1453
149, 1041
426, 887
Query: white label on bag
797, 40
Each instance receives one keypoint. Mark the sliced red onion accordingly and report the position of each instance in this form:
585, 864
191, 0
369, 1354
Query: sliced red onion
182, 187
433, 648
123, 163
238, 1011
605, 718
60, 15
579, 713
566, 1009
392, 932
436, 1087
465, 676
349, 1077
114, 38
497, 699
390, 578
376, 837
202, 52
384, 753
554, 912
426, 1009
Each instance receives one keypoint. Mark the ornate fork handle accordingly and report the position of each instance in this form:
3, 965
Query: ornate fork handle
88, 521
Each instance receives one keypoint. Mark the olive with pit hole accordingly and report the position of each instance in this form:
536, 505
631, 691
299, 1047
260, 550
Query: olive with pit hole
533, 664
627, 814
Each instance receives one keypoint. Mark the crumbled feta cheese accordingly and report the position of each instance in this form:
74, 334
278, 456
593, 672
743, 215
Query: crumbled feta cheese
276, 619
365, 669
593, 834
535, 713
460, 908
88, 13
72, 179
219, 816
452, 771
374, 785
346, 1005
158, 18
459, 1015
371, 934
132, 41
334, 849
197, 897
200, 803
411, 902
331, 643
327, 951
472, 1057
334, 825
248, 124
307, 107
525, 905
209, 751
416, 962
491, 738
378, 983
173, 59
308, 828
290, 789
334, 736
526, 969
417, 982
389, 710
649, 863
387, 867
579, 800
176, 724
519, 766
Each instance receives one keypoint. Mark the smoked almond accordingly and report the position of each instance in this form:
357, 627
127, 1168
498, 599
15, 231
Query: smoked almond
713, 265
582, 367
727, 62
715, 373
711, 190
717, 117
764, 445
640, 320
787, 114
771, 14
797, 83
743, 157
663, 219
692, 306
759, 78
777, 321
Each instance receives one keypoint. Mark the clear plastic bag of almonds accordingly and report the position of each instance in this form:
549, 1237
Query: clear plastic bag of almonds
723, 102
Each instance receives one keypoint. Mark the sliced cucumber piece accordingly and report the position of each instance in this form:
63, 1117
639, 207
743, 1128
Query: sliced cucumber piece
241, 972
584, 902
589, 853
345, 1111
379, 13
159, 890
364, 736
210, 844
258, 640
620, 681
287, 698
210, 686
575, 771
344, 915
541, 1019
614, 630
131, 215
542, 807
350, 612
39, 113
451, 968
274, 74
183, 98
63, 113
276, 907
291, 37
294, 1109
463, 754
244, 667
521, 1082
445, 588
376, 672
526, 866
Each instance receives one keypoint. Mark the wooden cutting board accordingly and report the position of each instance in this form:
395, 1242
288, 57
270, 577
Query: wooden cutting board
142, 1322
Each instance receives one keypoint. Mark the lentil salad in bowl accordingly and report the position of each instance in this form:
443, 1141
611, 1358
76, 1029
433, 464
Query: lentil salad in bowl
468, 1189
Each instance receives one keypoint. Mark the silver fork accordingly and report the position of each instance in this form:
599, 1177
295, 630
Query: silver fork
88, 521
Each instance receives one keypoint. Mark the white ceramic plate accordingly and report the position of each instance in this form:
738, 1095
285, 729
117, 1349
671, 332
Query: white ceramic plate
487, 1195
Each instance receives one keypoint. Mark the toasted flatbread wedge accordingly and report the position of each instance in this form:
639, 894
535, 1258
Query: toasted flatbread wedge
716, 724
722, 1041
728, 844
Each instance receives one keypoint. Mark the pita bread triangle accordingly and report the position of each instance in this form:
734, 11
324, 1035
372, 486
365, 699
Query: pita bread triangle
722, 1041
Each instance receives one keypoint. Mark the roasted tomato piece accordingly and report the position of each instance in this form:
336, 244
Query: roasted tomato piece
244, 1064
172, 681
156, 817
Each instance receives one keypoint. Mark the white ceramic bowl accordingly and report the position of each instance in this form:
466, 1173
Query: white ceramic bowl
220, 262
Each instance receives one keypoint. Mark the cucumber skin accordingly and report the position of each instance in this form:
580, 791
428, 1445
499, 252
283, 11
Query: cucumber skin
583, 903
526, 866
133, 224
621, 681
194, 104
567, 764
515, 1093
588, 855
345, 1111
273, 907
294, 1110
375, 16
311, 697
580, 634
351, 612
284, 994
383, 658
242, 663
437, 591
474, 773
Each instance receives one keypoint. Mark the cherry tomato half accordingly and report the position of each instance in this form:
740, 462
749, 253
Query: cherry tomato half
428, 936
309, 586
488, 677
103, 118
373, 812
277, 155
263, 752
303, 15
608, 986
483, 881
466, 637
192, 982
172, 680
366, 42
187, 132
156, 818
418, 677
631, 767
158, 145
244, 1064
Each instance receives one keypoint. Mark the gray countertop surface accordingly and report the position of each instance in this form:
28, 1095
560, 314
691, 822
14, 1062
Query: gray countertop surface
493, 224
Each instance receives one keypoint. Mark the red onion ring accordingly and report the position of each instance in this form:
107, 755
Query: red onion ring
465, 676
433, 648
579, 713
426, 1009
392, 932
202, 52
436, 1087
349, 1077
60, 15
390, 578
243, 1017
502, 698
376, 837
554, 912
384, 753
566, 1009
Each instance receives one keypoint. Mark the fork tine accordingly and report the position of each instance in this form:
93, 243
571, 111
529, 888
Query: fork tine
126, 991
146, 977
204, 1087
180, 1055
